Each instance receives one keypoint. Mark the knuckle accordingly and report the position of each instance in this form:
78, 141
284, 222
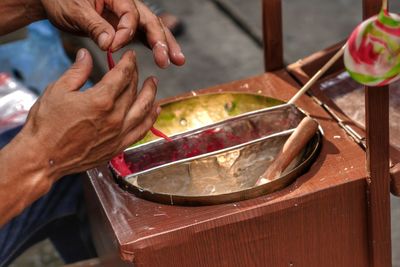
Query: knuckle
131, 57
153, 117
123, 79
103, 104
115, 123
94, 28
142, 133
107, 105
135, 118
74, 74
147, 106
127, 71
74, 69
124, 71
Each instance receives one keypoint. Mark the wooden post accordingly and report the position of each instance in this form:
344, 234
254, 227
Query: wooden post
377, 126
272, 35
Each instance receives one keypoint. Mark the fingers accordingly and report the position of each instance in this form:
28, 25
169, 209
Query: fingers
76, 76
155, 35
122, 77
125, 101
142, 106
97, 28
139, 118
175, 51
141, 130
128, 18
164, 46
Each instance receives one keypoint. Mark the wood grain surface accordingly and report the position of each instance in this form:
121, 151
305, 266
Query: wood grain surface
272, 34
377, 129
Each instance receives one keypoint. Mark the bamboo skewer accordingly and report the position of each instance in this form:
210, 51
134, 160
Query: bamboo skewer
384, 4
317, 75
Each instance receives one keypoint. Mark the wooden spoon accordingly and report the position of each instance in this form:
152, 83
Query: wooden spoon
292, 147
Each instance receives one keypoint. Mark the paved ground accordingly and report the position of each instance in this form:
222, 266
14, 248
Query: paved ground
219, 51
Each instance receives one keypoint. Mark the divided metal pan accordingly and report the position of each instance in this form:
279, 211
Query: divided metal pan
218, 162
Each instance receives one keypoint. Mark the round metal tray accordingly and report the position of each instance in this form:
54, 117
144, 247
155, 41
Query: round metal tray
224, 175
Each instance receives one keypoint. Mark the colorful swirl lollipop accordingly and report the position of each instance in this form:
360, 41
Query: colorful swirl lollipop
372, 55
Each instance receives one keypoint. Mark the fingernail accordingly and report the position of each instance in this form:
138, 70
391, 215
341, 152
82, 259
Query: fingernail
155, 80
103, 37
165, 63
80, 55
160, 44
158, 110
180, 54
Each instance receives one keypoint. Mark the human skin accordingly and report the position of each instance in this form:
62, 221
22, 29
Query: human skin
68, 131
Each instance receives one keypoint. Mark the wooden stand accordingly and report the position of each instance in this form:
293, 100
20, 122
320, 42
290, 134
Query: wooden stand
377, 126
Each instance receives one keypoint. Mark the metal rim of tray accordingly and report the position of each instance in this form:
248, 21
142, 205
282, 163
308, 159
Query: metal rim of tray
215, 123
311, 152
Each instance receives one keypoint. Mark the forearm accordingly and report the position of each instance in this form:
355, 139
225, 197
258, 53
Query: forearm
25, 175
19, 13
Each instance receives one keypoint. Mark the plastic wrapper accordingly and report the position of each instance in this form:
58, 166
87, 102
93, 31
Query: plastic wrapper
15, 103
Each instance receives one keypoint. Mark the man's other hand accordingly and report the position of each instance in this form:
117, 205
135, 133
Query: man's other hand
113, 23
79, 130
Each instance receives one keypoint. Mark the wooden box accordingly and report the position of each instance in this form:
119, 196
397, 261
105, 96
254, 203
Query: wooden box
319, 220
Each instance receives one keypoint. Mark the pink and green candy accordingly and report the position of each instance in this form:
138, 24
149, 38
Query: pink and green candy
372, 54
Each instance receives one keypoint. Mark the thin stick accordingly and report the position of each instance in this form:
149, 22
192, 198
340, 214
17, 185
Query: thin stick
384, 4
317, 75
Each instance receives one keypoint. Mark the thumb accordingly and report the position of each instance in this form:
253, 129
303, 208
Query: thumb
99, 30
76, 76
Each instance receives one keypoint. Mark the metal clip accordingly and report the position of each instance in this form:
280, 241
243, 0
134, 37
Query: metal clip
360, 140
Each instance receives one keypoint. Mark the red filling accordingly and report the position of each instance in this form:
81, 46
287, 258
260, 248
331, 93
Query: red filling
190, 146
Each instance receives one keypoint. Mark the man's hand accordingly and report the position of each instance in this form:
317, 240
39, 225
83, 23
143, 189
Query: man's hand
69, 131
114, 23
79, 130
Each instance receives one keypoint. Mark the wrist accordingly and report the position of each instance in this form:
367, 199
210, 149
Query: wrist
19, 13
24, 176
26, 160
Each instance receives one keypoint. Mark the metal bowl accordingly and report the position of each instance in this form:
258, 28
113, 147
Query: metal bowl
220, 161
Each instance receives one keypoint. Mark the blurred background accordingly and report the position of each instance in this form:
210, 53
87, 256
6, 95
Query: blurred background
222, 42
